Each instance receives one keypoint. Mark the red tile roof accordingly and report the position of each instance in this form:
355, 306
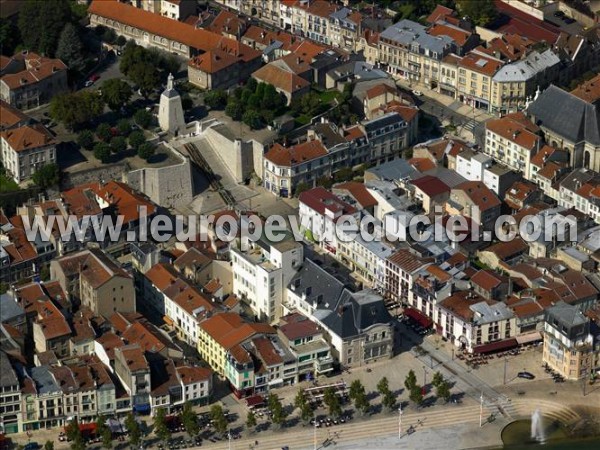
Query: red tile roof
430, 185
515, 130
523, 24
281, 78
28, 137
476, 62
296, 154
321, 200
439, 13
359, 192
456, 34
126, 200
479, 194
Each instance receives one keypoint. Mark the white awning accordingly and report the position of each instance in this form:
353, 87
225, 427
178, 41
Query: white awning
529, 337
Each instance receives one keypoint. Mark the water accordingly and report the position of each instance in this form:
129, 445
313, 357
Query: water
537, 427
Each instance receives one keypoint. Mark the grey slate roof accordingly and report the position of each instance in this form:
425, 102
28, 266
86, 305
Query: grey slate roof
9, 308
395, 170
567, 115
527, 67
8, 377
345, 313
407, 32
45, 382
383, 121
568, 315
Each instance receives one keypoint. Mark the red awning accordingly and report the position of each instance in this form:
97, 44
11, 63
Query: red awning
418, 316
496, 346
255, 400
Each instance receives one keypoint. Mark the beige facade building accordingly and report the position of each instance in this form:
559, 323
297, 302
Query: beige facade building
569, 347
25, 150
475, 72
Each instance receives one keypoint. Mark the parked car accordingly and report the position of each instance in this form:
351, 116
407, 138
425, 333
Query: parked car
526, 375
569, 20
559, 14
32, 446
91, 80
417, 93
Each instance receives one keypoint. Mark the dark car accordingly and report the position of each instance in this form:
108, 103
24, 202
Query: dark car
559, 14
526, 375
32, 446
569, 20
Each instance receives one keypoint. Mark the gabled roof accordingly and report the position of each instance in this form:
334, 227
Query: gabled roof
296, 154
584, 117
479, 194
430, 186
321, 200
28, 137
282, 79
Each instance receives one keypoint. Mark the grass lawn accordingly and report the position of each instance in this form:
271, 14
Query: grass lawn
302, 119
8, 184
328, 96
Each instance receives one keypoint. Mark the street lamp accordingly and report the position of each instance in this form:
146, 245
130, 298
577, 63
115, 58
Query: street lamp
505, 362
400, 422
481, 410
315, 433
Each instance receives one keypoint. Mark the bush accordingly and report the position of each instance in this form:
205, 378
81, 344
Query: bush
124, 127
102, 152
216, 99
46, 176
187, 103
146, 150
136, 139
143, 118
252, 119
85, 139
103, 132
234, 109
118, 144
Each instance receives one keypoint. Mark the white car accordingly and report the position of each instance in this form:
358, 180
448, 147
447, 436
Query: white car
417, 93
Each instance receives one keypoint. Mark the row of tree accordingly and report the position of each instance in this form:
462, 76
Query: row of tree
255, 104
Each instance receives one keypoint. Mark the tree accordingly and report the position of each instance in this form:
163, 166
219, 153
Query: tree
103, 431
9, 36
300, 188
118, 144
250, 421
219, 419
41, 24
437, 379
76, 109
143, 118
331, 399
276, 409
136, 139
121, 41
145, 76
306, 412
356, 389
389, 400
411, 380
252, 119
116, 93
443, 390
325, 182
481, 12
124, 127
46, 176
216, 99
383, 386
133, 428
102, 152
161, 430
234, 109
74, 435
49, 445
301, 402
109, 36
361, 403
416, 394
103, 132
189, 420
344, 174
85, 139
146, 150
70, 49
187, 103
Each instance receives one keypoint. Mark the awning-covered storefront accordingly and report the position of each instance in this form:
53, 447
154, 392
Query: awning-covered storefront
255, 401
168, 321
529, 337
418, 317
496, 346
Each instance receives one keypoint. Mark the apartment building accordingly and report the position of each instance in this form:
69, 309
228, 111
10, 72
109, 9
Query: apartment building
475, 324
10, 397
27, 149
104, 287
473, 199
475, 72
581, 190
133, 370
513, 140
517, 82
400, 271
31, 80
262, 271
196, 384
410, 53
306, 342
357, 325
569, 347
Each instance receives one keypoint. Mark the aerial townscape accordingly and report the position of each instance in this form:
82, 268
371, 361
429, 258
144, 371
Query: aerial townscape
299, 224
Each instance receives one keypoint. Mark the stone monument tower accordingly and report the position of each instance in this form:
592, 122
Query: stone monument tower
170, 111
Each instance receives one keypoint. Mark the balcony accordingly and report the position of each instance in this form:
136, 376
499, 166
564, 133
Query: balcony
324, 365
